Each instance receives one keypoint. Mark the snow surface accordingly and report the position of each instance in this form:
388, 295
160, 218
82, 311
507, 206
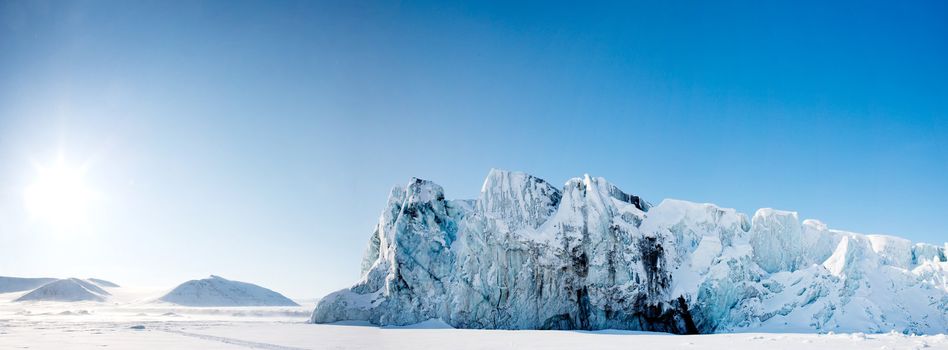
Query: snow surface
218, 291
97, 326
131, 321
525, 255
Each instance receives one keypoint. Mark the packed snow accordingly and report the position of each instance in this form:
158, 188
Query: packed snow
97, 326
218, 291
132, 320
526, 255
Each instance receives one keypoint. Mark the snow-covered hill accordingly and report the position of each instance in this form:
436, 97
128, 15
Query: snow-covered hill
19, 284
103, 283
217, 291
526, 255
70, 289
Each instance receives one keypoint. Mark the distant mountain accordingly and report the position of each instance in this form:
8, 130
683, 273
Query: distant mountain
218, 291
102, 283
70, 289
19, 284
526, 255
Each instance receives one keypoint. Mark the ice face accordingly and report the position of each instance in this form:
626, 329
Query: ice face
525, 255
893, 251
517, 200
922, 252
777, 239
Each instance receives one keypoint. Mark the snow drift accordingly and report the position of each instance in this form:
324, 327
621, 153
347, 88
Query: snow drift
217, 291
70, 289
526, 255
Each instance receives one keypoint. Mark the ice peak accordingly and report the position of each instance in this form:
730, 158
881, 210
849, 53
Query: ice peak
766, 213
420, 190
853, 256
499, 177
518, 199
815, 224
599, 185
396, 192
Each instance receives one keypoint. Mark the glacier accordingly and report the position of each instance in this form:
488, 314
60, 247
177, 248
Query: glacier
528, 255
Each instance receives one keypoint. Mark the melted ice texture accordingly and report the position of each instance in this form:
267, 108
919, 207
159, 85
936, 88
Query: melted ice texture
527, 255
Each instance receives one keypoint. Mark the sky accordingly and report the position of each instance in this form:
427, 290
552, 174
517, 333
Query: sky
258, 140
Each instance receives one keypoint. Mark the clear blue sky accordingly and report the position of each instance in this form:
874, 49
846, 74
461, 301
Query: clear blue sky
258, 140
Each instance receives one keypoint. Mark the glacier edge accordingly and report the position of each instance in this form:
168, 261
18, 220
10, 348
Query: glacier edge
528, 255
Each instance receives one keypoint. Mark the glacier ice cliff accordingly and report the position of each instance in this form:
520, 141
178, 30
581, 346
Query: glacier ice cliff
528, 255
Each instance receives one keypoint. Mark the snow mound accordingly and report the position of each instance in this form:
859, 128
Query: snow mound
19, 284
70, 289
525, 255
218, 291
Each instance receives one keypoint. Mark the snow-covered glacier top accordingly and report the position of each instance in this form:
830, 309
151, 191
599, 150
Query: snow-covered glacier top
518, 200
528, 255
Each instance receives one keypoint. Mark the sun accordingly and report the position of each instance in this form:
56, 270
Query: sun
59, 195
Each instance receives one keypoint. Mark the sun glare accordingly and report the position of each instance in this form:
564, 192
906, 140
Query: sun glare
58, 195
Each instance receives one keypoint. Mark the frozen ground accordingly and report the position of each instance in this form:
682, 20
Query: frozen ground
46, 333
129, 321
